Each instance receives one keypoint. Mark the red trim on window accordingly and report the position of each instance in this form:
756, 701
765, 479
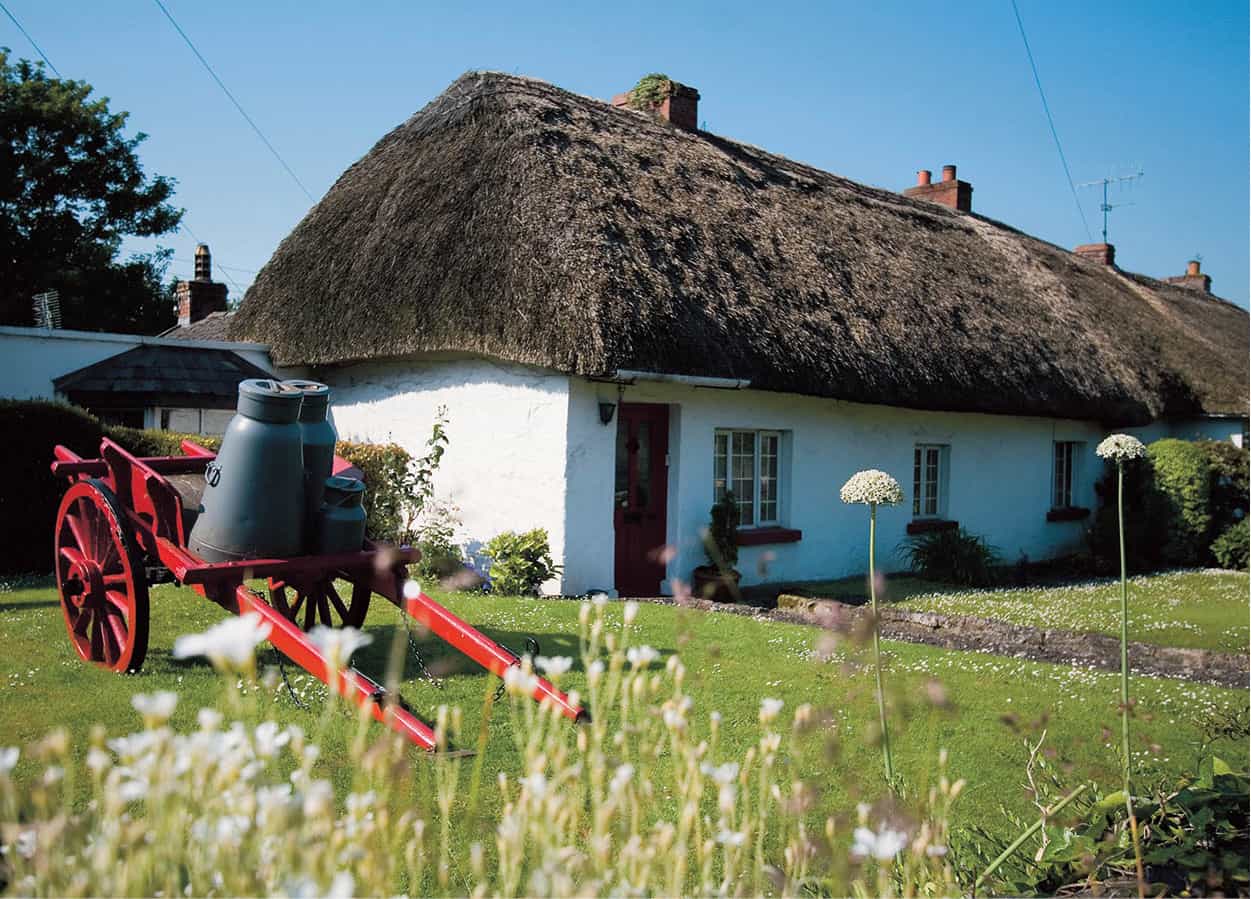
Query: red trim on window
763, 536
1071, 513
928, 525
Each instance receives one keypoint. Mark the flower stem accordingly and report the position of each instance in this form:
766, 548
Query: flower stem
877, 649
1029, 831
1129, 801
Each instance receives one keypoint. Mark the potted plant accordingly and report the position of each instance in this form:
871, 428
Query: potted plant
718, 581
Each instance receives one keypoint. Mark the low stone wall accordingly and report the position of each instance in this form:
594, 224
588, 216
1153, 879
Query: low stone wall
975, 634
969, 632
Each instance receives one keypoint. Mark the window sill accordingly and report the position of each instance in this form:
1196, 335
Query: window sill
764, 536
1073, 513
929, 525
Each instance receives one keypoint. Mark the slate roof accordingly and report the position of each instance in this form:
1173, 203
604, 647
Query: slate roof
191, 375
212, 327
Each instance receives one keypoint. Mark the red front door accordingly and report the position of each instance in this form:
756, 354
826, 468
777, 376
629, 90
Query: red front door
641, 497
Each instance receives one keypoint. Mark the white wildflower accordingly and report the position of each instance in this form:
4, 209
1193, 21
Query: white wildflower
208, 719
232, 642
641, 656
599, 600
156, 706
872, 487
630, 612
98, 760
881, 846
731, 837
722, 774
621, 778
769, 709
1120, 448
412, 589
535, 784
8, 759
269, 739
554, 665
338, 643
935, 851
519, 681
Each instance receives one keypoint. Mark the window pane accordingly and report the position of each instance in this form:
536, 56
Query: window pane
768, 477
720, 464
743, 474
643, 473
931, 481
916, 482
622, 488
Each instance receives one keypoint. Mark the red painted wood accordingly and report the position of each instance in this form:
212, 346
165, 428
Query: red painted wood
765, 536
641, 497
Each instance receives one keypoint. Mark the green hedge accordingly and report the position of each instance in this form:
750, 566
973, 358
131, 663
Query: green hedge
1181, 499
29, 429
1231, 548
31, 495
1231, 481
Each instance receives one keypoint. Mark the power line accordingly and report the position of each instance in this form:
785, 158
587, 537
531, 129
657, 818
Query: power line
1050, 122
26, 34
183, 227
232, 99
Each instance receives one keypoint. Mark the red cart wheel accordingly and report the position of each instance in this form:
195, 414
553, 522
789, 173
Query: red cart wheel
319, 602
104, 593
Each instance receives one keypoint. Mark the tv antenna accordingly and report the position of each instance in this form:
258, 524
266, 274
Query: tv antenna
47, 309
1105, 207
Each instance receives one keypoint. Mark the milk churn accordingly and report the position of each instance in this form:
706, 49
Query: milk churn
253, 502
342, 525
318, 437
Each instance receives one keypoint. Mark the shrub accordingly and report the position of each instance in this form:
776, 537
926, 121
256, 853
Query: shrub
385, 469
441, 555
30, 497
520, 563
721, 540
1230, 548
1181, 499
157, 443
1227, 465
952, 556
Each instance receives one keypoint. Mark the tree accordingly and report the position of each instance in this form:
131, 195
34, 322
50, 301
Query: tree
71, 188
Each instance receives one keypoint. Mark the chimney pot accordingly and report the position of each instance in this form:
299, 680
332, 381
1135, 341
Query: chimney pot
950, 192
203, 263
679, 106
1192, 267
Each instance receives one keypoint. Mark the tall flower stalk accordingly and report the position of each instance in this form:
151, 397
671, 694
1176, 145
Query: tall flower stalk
874, 488
1122, 448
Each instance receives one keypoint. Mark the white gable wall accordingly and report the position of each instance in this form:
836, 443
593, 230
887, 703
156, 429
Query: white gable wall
1000, 478
505, 461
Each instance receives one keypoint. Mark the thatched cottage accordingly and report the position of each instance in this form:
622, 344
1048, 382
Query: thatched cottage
626, 315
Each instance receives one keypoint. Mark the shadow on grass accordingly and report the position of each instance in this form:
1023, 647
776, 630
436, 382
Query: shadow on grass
23, 606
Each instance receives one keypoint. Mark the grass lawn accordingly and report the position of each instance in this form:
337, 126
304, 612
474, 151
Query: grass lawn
1200, 609
732, 661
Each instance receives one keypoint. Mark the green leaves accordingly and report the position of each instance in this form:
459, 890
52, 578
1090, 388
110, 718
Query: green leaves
71, 188
520, 563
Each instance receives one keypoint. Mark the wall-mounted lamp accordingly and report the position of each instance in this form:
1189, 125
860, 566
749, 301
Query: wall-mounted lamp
606, 411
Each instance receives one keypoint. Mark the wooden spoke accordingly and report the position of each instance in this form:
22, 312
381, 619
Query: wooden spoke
320, 603
104, 596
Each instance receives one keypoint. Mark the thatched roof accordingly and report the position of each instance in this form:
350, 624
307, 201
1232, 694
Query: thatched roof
516, 220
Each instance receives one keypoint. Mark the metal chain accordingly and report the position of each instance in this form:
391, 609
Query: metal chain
422, 669
532, 647
299, 703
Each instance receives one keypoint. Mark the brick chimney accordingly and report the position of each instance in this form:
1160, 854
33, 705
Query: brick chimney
951, 191
1103, 253
199, 298
1193, 279
679, 106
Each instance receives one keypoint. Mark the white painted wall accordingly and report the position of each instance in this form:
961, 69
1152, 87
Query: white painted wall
506, 458
30, 358
1000, 478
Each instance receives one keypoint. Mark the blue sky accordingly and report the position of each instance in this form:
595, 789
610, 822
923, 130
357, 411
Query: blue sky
871, 91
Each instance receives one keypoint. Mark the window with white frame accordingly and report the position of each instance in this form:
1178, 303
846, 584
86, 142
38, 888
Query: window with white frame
749, 465
929, 481
1066, 456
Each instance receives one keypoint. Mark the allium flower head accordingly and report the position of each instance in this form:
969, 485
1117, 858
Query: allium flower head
232, 642
1120, 448
872, 487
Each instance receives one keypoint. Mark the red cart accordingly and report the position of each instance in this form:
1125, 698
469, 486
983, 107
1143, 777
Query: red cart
122, 514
